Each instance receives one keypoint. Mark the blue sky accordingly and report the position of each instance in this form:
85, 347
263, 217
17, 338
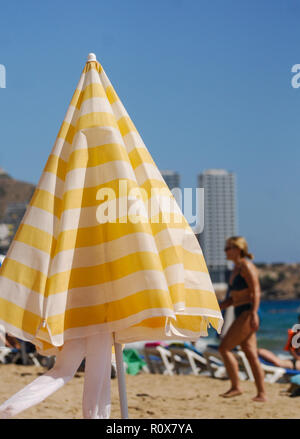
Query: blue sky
207, 84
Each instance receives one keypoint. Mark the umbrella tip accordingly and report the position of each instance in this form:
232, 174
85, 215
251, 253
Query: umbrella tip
91, 57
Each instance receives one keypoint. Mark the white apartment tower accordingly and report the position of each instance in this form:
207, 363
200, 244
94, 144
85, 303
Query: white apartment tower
219, 219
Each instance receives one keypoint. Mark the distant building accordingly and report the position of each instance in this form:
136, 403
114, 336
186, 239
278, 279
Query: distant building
171, 178
220, 220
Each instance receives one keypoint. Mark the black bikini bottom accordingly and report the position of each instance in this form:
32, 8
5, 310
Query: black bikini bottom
239, 309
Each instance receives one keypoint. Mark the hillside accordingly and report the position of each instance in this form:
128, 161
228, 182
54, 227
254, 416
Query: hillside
13, 191
280, 281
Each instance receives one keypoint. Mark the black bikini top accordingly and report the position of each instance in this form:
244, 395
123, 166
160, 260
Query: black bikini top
239, 283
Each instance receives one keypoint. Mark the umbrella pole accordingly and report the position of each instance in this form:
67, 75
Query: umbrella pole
121, 379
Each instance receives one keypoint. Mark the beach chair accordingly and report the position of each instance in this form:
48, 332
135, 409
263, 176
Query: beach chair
295, 386
272, 372
215, 363
21, 356
217, 368
24, 354
135, 363
186, 357
158, 359
4, 350
276, 373
4, 354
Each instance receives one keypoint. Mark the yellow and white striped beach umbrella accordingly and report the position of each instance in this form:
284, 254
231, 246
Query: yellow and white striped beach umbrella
70, 272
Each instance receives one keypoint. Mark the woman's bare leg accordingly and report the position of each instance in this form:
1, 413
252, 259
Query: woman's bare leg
272, 358
249, 346
237, 332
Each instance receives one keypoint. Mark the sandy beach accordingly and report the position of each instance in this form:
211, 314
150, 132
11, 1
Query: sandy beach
155, 397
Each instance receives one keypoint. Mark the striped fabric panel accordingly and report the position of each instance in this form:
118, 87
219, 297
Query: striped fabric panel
168, 279
35, 279
135, 278
97, 274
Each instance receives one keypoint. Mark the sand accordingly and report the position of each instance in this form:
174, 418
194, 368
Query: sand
155, 397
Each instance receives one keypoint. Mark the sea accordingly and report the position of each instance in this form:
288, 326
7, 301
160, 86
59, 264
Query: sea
276, 317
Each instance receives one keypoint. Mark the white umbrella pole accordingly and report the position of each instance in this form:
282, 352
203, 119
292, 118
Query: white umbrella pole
118, 346
121, 379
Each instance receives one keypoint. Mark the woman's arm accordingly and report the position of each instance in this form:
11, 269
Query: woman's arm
226, 303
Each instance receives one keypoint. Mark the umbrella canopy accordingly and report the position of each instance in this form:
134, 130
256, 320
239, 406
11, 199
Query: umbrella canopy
89, 255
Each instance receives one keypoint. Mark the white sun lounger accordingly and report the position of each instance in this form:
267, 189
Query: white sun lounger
272, 373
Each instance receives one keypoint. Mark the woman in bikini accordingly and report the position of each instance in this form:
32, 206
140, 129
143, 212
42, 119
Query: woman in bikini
244, 295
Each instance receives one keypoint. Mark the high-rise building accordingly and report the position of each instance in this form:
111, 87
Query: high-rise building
171, 178
219, 219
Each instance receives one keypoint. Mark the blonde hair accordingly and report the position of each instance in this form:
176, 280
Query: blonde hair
241, 243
